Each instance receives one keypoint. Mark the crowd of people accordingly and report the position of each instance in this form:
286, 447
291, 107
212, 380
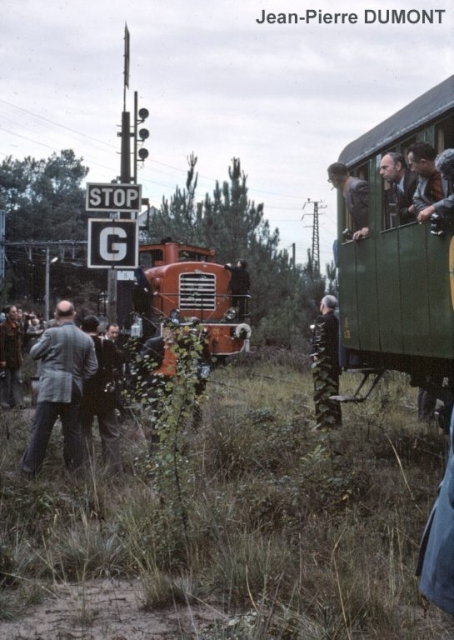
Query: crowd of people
419, 188
79, 372
76, 370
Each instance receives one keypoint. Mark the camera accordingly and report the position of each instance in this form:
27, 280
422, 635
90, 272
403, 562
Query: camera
437, 225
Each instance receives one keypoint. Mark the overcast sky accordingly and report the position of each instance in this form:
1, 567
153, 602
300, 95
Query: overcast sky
284, 98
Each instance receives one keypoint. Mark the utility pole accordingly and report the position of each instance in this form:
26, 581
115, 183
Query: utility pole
315, 233
47, 284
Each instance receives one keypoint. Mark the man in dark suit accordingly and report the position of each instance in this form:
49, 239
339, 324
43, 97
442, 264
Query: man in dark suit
394, 170
99, 400
239, 287
67, 359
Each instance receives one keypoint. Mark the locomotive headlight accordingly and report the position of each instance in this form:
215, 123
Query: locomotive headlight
230, 314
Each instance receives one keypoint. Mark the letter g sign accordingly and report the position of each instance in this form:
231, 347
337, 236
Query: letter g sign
112, 245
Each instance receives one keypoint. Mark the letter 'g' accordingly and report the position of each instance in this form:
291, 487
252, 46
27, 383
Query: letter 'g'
112, 244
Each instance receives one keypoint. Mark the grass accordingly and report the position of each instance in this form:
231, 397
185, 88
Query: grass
293, 533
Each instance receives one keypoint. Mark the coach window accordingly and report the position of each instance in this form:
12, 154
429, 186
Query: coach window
388, 206
444, 134
390, 218
349, 226
404, 146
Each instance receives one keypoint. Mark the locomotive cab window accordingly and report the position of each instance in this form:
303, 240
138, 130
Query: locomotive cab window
150, 258
187, 255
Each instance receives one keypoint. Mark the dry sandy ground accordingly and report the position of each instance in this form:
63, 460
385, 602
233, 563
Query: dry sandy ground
107, 610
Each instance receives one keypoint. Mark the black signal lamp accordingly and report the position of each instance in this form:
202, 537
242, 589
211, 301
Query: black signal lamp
143, 114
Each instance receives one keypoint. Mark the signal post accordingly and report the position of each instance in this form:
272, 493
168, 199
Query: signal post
109, 239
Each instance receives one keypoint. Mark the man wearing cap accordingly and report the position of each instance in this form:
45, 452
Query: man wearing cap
326, 369
356, 196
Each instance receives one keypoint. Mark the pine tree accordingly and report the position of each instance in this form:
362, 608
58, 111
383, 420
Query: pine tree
177, 218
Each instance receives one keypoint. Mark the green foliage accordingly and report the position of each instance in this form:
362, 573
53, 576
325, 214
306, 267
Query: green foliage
171, 405
45, 202
44, 199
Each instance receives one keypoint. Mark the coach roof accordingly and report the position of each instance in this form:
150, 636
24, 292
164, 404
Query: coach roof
428, 107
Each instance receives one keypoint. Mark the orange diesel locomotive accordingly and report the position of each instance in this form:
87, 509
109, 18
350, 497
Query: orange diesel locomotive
183, 283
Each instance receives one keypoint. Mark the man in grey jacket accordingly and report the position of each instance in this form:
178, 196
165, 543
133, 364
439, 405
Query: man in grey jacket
67, 359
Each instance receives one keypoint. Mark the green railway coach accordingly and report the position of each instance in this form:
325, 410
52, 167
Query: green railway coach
396, 287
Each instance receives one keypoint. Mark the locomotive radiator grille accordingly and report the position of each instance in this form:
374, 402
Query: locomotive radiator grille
197, 291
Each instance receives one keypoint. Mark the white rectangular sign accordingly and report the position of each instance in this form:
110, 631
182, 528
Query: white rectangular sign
125, 198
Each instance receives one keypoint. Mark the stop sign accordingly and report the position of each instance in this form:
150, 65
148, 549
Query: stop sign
114, 197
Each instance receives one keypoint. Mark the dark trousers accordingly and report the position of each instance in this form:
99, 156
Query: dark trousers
11, 390
426, 404
240, 302
46, 414
109, 432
